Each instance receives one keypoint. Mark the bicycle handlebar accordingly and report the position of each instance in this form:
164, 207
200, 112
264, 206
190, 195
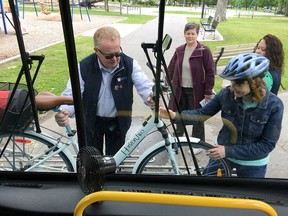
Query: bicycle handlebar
47, 100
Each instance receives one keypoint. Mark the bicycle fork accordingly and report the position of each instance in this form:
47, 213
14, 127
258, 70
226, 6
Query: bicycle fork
169, 148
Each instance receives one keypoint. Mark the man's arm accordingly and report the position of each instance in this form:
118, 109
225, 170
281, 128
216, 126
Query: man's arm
141, 82
68, 92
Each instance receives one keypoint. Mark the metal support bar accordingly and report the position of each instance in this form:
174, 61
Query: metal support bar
65, 12
24, 9
80, 10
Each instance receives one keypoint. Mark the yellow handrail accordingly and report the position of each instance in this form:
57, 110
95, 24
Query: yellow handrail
172, 200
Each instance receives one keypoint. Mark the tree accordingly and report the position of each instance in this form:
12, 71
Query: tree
279, 5
221, 8
106, 6
286, 11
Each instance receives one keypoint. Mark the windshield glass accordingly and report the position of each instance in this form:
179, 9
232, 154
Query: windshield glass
236, 133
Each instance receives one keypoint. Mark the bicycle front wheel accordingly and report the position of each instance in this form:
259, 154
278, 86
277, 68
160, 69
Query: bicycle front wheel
157, 162
27, 152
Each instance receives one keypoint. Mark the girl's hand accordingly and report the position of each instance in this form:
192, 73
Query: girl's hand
216, 153
164, 113
209, 97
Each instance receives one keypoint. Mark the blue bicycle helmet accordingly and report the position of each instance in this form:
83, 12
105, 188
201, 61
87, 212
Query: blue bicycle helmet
246, 65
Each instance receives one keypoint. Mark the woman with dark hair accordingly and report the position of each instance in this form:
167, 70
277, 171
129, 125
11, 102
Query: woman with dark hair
191, 71
271, 47
251, 116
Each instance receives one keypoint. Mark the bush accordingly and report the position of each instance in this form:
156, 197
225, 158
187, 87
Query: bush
148, 3
280, 12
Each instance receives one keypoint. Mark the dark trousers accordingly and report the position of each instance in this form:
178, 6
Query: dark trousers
241, 170
187, 103
108, 130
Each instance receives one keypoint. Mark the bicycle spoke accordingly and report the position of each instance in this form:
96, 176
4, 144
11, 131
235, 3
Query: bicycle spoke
29, 153
158, 163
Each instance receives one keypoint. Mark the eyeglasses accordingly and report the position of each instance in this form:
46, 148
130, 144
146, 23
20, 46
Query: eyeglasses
110, 55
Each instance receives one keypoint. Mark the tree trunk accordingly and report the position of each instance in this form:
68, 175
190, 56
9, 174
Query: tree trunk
279, 6
221, 8
286, 11
106, 6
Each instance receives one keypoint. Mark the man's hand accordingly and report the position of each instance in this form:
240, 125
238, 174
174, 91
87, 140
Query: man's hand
216, 153
151, 103
62, 118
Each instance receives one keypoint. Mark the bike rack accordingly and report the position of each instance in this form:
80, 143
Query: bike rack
153, 198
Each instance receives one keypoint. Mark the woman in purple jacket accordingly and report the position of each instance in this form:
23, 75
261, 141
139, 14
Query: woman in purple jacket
191, 71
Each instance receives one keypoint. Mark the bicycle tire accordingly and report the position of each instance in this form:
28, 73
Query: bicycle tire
22, 149
157, 162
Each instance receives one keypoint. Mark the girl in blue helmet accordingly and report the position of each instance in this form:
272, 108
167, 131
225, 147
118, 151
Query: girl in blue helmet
251, 116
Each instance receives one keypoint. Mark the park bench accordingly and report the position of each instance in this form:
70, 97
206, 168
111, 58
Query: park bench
210, 28
206, 22
229, 51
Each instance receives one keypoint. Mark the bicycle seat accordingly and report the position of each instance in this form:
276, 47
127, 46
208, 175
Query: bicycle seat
47, 100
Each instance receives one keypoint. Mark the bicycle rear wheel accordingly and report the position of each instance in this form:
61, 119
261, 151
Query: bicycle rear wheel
158, 163
25, 150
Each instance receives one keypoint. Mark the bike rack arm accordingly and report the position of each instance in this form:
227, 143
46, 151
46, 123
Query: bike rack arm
25, 62
172, 200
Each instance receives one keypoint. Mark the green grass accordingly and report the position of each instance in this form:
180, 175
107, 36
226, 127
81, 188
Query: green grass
54, 72
130, 18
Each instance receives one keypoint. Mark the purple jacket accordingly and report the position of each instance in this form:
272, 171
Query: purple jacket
202, 71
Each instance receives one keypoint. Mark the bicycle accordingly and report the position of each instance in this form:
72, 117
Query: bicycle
32, 151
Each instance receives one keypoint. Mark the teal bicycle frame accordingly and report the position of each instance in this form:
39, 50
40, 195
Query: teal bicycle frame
136, 139
57, 144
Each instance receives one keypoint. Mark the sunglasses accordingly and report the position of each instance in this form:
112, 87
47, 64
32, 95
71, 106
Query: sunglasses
110, 55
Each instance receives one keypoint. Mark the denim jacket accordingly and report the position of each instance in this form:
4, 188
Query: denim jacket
249, 134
